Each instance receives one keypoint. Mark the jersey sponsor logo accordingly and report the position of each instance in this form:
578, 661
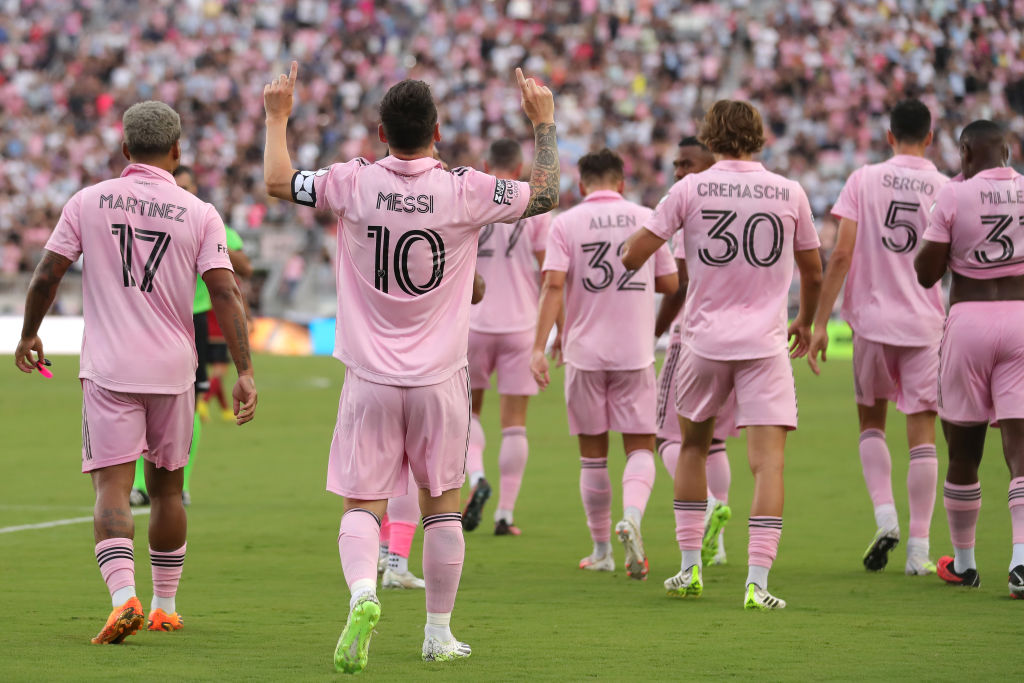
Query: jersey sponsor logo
896, 182
304, 186
743, 191
409, 203
505, 192
143, 207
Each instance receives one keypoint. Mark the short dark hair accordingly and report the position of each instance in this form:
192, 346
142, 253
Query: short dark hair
692, 141
505, 154
182, 170
910, 121
603, 165
983, 132
408, 114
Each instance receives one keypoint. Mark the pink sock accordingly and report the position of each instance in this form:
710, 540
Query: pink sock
669, 453
962, 502
515, 449
405, 509
477, 442
444, 549
763, 545
167, 568
359, 545
877, 466
637, 480
385, 529
689, 523
596, 492
718, 472
922, 476
401, 538
1016, 503
116, 559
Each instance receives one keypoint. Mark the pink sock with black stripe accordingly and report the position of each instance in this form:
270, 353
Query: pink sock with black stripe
116, 558
444, 551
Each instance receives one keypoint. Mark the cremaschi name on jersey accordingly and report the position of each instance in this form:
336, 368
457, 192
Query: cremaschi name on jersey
170, 212
743, 191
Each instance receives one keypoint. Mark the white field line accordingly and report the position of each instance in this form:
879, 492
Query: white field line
60, 522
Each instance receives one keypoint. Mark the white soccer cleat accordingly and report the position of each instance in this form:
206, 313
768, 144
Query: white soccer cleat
633, 542
436, 651
688, 582
919, 565
396, 579
720, 558
760, 599
598, 564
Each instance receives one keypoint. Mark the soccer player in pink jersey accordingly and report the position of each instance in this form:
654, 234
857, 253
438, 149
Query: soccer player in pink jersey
609, 353
407, 246
501, 332
977, 231
743, 228
692, 157
897, 325
144, 240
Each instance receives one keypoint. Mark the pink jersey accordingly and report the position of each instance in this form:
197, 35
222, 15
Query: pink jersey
507, 262
882, 300
675, 330
740, 225
144, 240
982, 220
609, 311
407, 245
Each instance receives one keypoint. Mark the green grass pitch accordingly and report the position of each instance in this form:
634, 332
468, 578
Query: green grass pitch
264, 599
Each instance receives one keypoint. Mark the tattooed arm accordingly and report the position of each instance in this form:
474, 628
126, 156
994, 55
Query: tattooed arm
230, 312
41, 292
539, 106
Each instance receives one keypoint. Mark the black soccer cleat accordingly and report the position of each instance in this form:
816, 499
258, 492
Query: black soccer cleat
1016, 583
475, 506
877, 554
968, 578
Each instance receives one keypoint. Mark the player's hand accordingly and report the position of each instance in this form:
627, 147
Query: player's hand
819, 345
556, 351
799, 339
537, 100
479, 288
539, 368
244, 395
23, 354
277, 95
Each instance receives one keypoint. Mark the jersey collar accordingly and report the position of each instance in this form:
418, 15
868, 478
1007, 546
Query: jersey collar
911, 161
998, 173
137, 169
737, 166
602, 195
411, 166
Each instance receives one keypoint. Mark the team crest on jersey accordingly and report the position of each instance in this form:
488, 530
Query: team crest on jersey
505, 192
304, 186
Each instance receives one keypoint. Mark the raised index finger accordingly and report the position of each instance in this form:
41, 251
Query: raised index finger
293, 73
520, 79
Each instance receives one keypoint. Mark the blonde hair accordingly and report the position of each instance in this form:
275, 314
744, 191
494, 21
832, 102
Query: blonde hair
733, 128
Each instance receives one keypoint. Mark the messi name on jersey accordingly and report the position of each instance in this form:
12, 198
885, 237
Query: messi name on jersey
409, 203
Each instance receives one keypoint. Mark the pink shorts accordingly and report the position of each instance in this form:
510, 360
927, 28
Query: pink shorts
506, 354
981, 368
667, 419
765, 394
119, 427
599, 401
384, 431
907, 375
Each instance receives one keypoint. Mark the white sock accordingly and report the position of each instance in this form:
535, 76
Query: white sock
397, 563
917, 547
963, 559
503, 515
361, 589
885, 517
122, 595
166, 604
475, 477
1018, 555
721, 540
602, 549
634, 515
439, 626
383, 552
690, 558
758, 576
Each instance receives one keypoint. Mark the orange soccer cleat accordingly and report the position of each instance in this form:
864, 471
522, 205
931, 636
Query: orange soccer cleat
160, 620
122, 622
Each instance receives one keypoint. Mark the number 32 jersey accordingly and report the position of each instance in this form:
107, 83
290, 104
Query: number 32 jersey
407, 248
890, 202
144, 240
740, 225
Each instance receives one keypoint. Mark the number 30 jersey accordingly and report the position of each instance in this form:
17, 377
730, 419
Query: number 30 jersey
144, 240
741, 225
407, 248
890, 202
609, 311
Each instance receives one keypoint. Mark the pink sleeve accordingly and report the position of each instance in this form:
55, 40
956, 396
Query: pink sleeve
328, 188
848, 204
664, 263
668, 214
679, 246
556, 256
806, 235
213, 248
540, 228
487, 199
66, 239
940, 220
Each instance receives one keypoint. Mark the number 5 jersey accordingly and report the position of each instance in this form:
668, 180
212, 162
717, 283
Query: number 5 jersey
144, 240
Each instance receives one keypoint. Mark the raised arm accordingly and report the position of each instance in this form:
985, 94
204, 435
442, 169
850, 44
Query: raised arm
539, 105
835, 275
277, 163
230, 312
41, 292
672, 302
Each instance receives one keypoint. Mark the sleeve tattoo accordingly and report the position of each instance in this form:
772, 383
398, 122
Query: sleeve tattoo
546, 175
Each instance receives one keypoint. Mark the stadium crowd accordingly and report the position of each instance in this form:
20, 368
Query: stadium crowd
634, 76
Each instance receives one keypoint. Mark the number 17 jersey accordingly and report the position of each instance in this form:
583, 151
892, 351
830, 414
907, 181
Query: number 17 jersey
890, 202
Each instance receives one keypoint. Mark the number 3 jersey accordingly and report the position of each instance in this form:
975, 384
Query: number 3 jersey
740, 226
407, 249
144, 240
890, 202
609, 311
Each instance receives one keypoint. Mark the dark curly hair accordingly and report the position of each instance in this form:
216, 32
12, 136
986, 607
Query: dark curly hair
733, 128
604, 165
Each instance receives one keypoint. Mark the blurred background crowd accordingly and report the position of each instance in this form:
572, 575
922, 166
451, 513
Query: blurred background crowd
632, 75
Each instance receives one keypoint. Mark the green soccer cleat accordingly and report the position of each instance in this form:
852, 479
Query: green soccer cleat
709, 549
686, 583
760, 599
352, 652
